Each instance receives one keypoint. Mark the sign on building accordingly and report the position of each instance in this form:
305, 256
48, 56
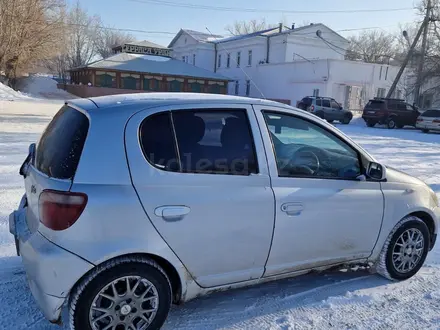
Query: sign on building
127, 48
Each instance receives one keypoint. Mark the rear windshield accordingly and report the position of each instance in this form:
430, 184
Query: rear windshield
61, 144
373, 104
431, 113
307, 100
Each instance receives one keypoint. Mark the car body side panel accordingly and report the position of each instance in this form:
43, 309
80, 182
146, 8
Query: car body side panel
402, 199
226, 235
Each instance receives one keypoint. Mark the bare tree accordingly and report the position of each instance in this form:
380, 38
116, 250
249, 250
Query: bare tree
109, 38
372, 47
82, 33
29, 33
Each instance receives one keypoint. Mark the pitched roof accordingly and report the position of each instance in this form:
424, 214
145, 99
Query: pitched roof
153, 65
269, 31
197, 35
311, 26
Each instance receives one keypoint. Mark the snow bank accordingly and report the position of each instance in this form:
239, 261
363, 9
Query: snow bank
8, 94
44, 87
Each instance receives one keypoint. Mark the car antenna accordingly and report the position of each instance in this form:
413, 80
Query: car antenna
249, 78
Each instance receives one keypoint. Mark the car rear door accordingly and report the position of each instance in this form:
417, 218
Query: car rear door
56, 159
201, 176
325, 215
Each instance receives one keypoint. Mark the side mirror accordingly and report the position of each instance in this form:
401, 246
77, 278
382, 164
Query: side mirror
29, 160
376, 171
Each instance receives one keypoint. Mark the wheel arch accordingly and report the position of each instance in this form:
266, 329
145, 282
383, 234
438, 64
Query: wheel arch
430, 223
167, 267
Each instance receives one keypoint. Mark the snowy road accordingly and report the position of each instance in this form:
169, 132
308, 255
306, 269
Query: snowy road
327, 301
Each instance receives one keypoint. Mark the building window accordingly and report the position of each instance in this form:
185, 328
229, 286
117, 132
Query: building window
219, 64
386, 73
238, 59
237, 87
381, 92
248, 87
105, 79
380, 73
151, 84
250, 58
186, 59
175, 85
183, 58
194, 59
215, 87
228, 61
130, 81
316, 92
196, 86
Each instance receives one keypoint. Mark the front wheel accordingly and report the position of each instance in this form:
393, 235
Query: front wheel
346, 120
405, 249
126, 293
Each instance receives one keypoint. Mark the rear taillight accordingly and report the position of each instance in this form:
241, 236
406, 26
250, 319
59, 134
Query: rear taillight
59, 209
312, 108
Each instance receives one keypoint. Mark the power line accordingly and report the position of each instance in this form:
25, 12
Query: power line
266, 10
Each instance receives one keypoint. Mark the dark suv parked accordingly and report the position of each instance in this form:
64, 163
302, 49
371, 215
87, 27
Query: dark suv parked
326, 108
391, 112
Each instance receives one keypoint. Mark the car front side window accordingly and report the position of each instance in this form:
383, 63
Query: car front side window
304, 149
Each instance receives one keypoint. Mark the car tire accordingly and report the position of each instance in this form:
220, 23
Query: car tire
320, 114
370, 123
391, 123
425, 130
390, 261
149, 287
346, 120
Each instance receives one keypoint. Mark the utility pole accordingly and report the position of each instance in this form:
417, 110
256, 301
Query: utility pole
422, 56
410, 52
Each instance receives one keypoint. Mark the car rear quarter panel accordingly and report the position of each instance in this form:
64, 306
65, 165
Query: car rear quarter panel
402, 199
113, 223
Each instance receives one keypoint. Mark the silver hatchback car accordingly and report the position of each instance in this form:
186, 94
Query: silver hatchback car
136, 202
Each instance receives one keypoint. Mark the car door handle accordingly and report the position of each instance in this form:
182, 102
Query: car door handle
172, 213
292, 209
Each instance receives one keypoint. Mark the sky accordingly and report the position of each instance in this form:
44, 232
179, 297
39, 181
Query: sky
164, 18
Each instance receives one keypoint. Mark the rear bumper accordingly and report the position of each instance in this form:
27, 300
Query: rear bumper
433, 127
377, 119
50, 270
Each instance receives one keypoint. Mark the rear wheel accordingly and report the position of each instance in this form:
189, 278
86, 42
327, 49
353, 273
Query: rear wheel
405, 249
370, 123
320, 114
391, 123
346, 120
425, 130
127, 293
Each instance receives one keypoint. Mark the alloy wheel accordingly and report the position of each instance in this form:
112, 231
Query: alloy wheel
408, 250
127, 303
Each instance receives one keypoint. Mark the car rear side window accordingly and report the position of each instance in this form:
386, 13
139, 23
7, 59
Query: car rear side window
158, 143
431, 113
60, 147
215, 142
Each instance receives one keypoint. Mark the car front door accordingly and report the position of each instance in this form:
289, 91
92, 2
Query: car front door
202, 178
337, 113
327, 108
325, 214
413, 114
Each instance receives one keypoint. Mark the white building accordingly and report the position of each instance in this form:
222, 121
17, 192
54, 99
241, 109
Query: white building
288, 64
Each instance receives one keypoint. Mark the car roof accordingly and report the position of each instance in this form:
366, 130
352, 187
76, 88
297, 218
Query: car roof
148, 100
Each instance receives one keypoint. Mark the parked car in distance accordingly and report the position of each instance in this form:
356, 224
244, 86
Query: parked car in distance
326, 108
134, 202
429, 120
390, 112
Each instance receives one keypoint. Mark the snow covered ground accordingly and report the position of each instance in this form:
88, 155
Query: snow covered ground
335, 300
